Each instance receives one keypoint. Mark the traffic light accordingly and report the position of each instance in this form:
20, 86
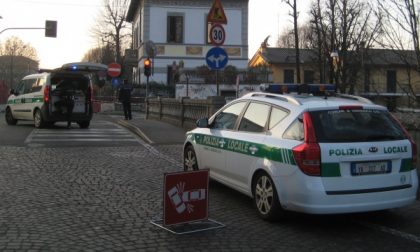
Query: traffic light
50, 29
147, 67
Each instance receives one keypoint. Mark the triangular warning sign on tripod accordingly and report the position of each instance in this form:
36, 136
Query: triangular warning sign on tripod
217, 14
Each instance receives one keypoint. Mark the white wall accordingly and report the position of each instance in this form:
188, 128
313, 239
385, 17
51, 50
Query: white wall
195, 25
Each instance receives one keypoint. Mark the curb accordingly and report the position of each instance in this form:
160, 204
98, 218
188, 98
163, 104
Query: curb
135, 130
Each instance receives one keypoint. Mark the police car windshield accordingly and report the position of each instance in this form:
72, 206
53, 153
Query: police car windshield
355, 126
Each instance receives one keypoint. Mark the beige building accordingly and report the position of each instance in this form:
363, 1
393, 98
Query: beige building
385, 76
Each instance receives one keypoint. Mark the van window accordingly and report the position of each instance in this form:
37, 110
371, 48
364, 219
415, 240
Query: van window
27, 86
37, 85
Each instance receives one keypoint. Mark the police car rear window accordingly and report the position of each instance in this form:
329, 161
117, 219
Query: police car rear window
355, 126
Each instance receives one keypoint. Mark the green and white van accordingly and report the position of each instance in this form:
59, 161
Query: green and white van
41, 97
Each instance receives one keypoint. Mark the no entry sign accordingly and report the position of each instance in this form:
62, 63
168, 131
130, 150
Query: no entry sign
114, 69
185, 197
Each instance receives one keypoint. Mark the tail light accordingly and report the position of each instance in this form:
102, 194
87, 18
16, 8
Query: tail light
308, 154
47, 94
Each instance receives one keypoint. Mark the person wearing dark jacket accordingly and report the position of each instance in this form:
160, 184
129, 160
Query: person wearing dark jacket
125, 98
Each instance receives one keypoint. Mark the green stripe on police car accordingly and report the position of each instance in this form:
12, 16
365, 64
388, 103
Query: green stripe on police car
244, 147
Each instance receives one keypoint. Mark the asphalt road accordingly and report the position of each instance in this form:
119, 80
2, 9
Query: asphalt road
102, 197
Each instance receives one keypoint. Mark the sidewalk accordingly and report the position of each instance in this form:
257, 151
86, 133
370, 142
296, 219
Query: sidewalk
152, 131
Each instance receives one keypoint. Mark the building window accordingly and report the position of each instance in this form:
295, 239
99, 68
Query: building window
308, 77
175, 29
391, 81
289, 76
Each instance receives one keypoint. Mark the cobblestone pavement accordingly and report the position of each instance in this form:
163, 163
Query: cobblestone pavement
103, 199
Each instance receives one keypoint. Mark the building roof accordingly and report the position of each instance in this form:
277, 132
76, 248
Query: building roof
288, 55
390, 57
273, 55
134, 4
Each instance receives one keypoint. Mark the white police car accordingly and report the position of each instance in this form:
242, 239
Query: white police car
42, 97
305, 153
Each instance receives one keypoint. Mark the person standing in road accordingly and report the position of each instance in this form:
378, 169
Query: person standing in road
125, 98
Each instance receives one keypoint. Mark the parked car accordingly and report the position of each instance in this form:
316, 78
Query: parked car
305, 153
44, 97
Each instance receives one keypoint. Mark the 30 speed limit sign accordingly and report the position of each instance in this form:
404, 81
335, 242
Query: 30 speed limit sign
217, 34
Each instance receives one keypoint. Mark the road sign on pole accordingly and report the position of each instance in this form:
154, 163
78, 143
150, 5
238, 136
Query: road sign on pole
217, 58
217, 14
217, 34
114, 69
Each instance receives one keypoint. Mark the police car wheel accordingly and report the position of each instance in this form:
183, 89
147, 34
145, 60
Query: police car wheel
190, 159
266, 200
38, 120
9, 117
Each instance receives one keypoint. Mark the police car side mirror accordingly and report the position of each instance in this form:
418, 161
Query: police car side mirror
203, 123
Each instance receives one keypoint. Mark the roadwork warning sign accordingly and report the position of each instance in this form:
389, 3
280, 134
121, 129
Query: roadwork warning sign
185, 197
217, 13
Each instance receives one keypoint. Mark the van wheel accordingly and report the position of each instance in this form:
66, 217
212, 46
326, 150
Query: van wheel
266, 200
190, 159
9, 117
84, 124
38, 120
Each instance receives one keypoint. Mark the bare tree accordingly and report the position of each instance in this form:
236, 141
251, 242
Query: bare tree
400, 33
295, 14
287, 38
343, 26
14, 46
111, 27
17, 59
104, 55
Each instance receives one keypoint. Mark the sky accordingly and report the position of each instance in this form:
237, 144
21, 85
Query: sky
76, 17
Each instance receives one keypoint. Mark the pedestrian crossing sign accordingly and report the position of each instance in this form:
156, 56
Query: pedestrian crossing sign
217, 14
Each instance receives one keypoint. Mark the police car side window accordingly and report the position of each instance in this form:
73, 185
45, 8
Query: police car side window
255, 118
295, 131
227, 118
276, 116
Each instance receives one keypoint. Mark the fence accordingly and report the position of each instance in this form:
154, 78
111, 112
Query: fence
182, 112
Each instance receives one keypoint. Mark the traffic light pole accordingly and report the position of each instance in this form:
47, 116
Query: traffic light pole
147, 86
21, 28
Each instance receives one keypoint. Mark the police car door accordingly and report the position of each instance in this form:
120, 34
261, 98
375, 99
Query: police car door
244, 146
28, 98
213, 143
20, 103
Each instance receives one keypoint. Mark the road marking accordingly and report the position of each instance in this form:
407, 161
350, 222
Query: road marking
391, 231
118, 134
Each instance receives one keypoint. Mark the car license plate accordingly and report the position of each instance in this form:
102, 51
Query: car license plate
368, 168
